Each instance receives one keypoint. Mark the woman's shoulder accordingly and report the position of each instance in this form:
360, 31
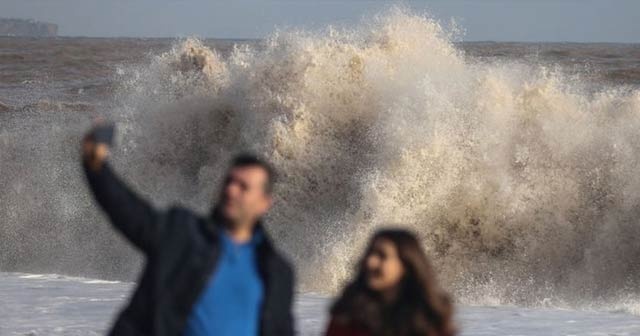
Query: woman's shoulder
342, 327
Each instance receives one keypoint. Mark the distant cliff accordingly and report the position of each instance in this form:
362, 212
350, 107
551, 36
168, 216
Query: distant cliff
30, 28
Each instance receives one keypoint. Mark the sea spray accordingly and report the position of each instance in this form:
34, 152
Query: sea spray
518, 178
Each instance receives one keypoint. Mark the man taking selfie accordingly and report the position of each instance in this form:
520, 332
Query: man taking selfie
204, 275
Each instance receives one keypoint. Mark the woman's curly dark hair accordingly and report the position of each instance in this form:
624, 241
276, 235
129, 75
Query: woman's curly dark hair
421, 309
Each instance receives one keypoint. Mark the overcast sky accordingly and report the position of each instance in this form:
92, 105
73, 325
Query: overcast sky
498, 20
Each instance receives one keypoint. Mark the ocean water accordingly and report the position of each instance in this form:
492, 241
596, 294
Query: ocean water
50, 304
515, 163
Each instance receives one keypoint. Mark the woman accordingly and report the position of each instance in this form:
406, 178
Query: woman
394, 293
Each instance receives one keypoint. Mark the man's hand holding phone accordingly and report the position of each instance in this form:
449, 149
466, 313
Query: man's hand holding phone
96, 144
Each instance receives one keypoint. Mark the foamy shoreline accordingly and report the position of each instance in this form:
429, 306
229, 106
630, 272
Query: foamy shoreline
52, 304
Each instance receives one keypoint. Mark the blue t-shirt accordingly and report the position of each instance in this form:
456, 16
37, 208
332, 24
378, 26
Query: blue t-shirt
230, 304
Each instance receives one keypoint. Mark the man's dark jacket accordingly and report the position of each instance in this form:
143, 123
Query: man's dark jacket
181, 250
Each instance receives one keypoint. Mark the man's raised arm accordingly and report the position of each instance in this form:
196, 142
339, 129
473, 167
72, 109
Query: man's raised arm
134, 217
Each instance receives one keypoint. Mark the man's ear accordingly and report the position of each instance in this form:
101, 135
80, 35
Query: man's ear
268, 202
271, 200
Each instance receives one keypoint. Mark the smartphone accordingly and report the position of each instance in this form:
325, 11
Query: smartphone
104, 134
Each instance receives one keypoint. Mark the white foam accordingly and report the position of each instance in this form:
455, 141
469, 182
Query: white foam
70, 306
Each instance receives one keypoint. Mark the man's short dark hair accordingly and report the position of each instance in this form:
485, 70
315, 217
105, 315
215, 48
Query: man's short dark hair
252, 160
